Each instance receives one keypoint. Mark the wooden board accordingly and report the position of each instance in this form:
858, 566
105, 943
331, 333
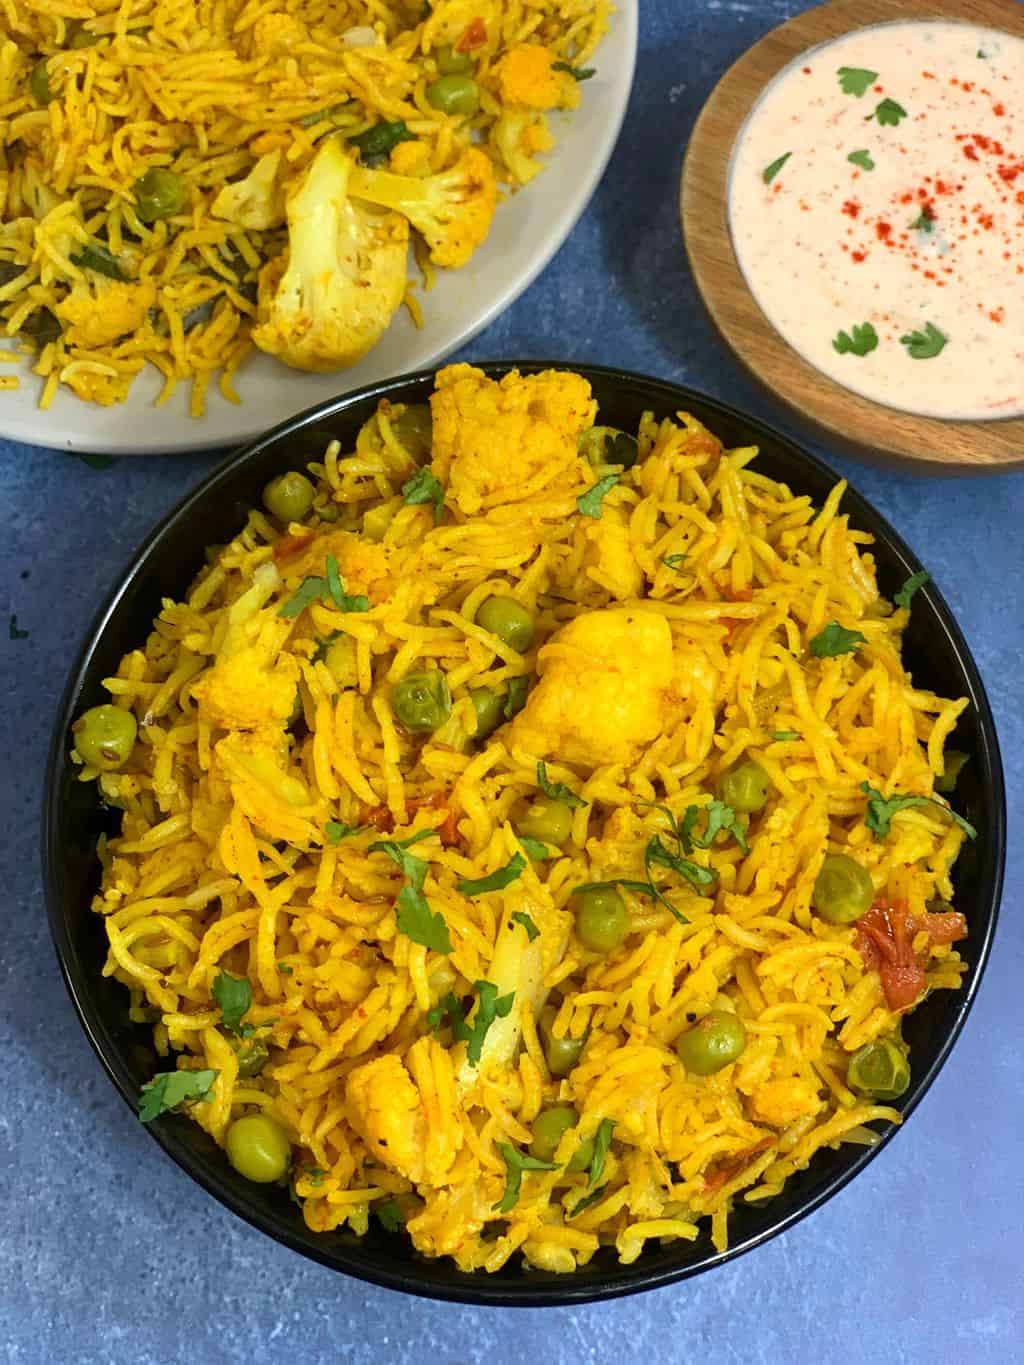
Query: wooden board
844, 416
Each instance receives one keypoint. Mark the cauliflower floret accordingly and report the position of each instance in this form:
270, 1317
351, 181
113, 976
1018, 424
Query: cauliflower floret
527, 77
499, 442
252, 684
365, 567
276, 35
609, 553
257, 201
330, 299
410, 158
517, 138
394, 1109
784, 1100
605, 689
98, 311
453, 209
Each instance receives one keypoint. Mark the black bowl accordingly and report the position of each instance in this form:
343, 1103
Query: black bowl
173, 553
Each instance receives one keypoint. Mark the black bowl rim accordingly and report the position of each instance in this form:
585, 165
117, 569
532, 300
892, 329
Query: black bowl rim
416, 1279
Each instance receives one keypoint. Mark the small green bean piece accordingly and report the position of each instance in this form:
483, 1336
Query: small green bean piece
422, 701
489, 707
955, 760
252, 1057
509, 620
879, 1070
159, 193
454, 95
843, 890
258, 1148
39, 83
745, 787
713, 1042
414, 428
105, 737
452, 63
545, 819
602, 920
289, 497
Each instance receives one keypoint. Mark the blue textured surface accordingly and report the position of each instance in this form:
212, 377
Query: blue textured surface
110, 1254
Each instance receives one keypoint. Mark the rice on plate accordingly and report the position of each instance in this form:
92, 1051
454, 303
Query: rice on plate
531, 837
182, 181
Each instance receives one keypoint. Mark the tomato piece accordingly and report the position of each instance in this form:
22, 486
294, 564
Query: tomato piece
474, 36
379, 817
725, 1170
947, 927
289, 546
885, 942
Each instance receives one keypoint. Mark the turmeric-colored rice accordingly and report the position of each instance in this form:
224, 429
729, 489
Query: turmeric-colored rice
97, 94
675, 614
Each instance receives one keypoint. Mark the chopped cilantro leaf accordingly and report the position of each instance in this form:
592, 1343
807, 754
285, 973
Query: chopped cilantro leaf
536, 851
336, 830
95, 256
378, 140
590, 502
924, 222
490, 1006
719, 817
861, 159
856, 80
310, 590
496, 881
782, 735
521, 917
861, 340
881, 809
602, 1141
516, 699
233, 994
924, 345
422, 488
834, 640
578, 73
587, 1201
16, 633
558, 791
915, 581
888, 114
418, 922
516, 1162
168, 1089
285, 968
771, 171
336, 588
674, 562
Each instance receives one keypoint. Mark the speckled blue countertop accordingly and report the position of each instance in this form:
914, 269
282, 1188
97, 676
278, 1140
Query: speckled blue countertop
108, 1253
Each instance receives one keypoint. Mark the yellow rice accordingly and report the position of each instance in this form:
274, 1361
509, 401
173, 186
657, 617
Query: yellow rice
196, 86
221, 866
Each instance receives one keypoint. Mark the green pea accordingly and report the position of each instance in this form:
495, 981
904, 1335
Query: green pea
105, 737
549, 1127
454, 95
159, 193
258, 1148
289, 497
955, 761
82, 38
490, 710
560, 1053
452, 63
414, 428
39, 83
422, 701
713, 1042
843, 890
252, 1057
602, 920
340, 661
509, 620
879, 1070
545, 819
745, 787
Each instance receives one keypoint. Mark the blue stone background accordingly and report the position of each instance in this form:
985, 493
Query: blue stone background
109, 1254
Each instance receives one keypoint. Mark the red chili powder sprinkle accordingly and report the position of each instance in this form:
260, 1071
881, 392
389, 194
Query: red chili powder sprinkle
997, 314
858, 256
999, 110
883, 231
970, 154
851, 208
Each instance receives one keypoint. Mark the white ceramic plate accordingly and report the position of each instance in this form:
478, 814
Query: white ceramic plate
528, 229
